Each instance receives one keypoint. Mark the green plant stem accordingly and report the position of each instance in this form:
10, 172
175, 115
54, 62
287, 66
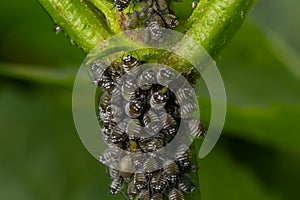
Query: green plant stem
78, 22
110, 14
200, 8
214, 24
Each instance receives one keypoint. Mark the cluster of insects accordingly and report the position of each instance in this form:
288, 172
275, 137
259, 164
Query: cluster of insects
152, 14
141, 114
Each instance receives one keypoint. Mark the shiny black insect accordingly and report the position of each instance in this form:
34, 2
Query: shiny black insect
131, 190
108, 128
171, 171
140, 180
111, 156
150, 165
116, 185
158, 182
156, 25
174, 110
116, 96
185, 94
187, 109
162, 137
126, 168
116, 72
158, 100
186, 183
155, 14
138, 160
146, 79
183, 156
130, 65
165, 76
112, 113
105, 83
128, 88
176, 194
170, 20
113, 173
141, 115
153, 122
133, 129
151, 144
144, 195
118, 135
170, 126
196, 128
132, 21
97, 69
104, 101
141, 96
107, 140
121, 4
134, 108
163, 6
104, 117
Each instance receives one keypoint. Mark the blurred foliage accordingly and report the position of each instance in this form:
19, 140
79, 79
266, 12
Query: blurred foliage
257, 157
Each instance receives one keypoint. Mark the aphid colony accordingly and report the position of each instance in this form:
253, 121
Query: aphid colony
141, 114
153, 14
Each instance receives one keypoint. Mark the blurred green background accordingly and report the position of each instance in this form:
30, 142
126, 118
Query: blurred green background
257, 157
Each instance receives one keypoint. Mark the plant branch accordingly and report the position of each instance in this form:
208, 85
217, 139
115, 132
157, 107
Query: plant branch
78, 22
214, 23
110, 14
